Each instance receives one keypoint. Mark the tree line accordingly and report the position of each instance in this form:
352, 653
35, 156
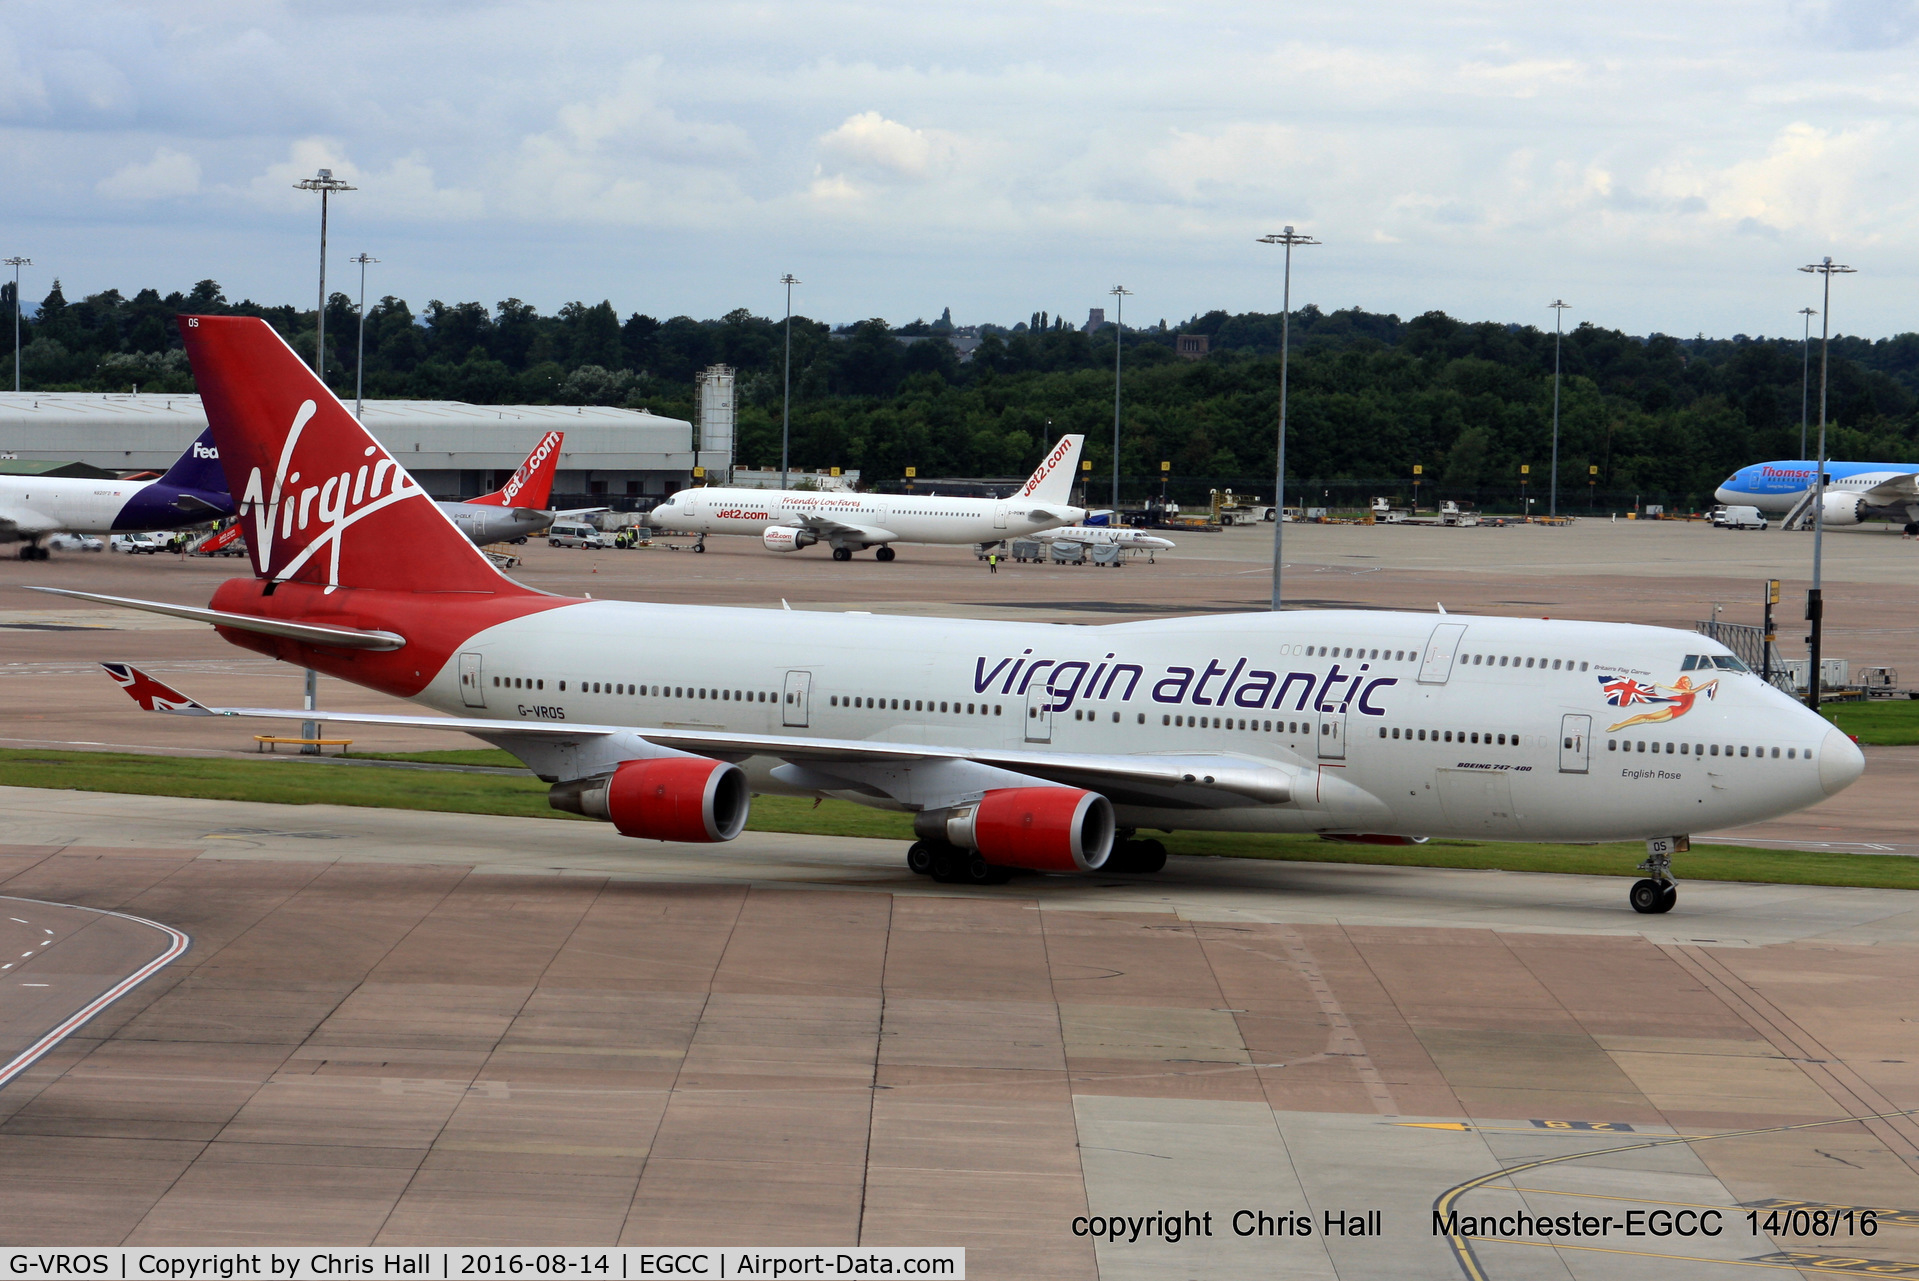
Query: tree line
1660, 418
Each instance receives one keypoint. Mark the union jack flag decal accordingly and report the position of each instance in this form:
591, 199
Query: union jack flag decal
1623, 691
150, 693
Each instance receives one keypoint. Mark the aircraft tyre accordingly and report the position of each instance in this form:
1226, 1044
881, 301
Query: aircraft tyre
946, 864
883, 554
919, 859
978, 871
1136, 857
33, 551
842, 553
1650, 897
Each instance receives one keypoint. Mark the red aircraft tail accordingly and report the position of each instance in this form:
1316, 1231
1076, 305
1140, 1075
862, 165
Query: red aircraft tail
532, 485
321, 501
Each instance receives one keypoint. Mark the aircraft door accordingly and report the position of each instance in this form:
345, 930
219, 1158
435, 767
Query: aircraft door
1436, 665
999, 516
1575, 749
1332, 736
795, 701
471, 691
1039, 714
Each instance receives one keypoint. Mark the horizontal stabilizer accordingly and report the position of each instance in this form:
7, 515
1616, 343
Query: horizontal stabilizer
311, 633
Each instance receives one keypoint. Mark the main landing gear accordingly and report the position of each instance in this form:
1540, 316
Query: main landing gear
883, 554
842, 553
951, 865
1658, 891
1131, 855
33, 551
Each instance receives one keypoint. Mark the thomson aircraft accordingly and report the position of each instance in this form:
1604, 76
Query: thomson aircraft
517, 508
1854, 491
1014, 746
192, 492
788, 519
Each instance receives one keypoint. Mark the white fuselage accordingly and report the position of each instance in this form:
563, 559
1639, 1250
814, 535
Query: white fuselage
1389, 723
34, 505
869, 518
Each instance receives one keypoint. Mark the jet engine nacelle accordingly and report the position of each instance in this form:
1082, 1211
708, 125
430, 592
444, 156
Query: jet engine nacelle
666, 798
785, 538
1843, 509
1043, 829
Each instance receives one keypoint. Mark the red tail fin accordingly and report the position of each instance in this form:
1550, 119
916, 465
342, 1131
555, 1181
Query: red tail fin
532, 485
321, 501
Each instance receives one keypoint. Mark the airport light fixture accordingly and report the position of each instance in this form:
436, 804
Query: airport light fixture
1120, 294
359, 362
786, 397
17, 263
1805, 374
1815, 599
1559, 311
326, 184
1288, 238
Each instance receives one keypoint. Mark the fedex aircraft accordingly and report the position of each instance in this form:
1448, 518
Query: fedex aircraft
1854, 491
192, 492
517, 508
789, 519
1034, 746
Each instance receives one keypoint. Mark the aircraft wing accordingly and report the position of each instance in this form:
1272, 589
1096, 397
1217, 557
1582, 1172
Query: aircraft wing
1198, 781
1898, 490
24, 522
827, 528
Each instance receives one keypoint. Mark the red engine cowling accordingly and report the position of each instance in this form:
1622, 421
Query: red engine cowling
666, 798
1043, 829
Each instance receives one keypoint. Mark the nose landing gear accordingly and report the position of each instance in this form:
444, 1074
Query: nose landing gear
1658, 891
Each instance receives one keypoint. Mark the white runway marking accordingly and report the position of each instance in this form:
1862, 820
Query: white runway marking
176, 944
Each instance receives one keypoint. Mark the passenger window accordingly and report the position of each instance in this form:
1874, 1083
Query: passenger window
1382, 731
1582, 667
1611, 745
1790, 751
1775, 753
1715, 749
1165, 720
1744, 750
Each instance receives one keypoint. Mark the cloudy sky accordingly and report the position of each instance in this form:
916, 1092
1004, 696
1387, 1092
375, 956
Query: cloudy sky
1662, 166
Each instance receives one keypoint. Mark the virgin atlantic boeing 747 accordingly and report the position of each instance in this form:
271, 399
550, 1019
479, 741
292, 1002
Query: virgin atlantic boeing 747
1013, 745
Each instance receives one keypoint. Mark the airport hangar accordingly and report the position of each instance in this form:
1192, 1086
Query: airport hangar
613, 457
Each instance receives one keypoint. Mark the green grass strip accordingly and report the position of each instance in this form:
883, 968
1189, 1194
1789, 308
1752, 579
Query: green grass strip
291, 781
1887, 722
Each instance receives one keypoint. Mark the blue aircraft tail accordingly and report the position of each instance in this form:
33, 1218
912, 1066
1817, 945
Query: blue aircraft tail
199, 467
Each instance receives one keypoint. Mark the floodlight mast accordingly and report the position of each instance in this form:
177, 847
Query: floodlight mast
1815, 599
359, 362
1288, 238
1805, 374
16, 263
1559, 310
326, 184
786, 397
1120, 293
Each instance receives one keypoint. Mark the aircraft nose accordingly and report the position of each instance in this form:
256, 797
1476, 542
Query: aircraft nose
1840, 762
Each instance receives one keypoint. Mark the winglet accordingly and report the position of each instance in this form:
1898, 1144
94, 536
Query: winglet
152, 694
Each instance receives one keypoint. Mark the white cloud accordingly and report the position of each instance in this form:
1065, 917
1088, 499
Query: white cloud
871, 143
405, 189
1810, 181
170, 173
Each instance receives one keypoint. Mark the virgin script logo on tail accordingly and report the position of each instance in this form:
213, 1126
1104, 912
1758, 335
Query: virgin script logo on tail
333, 504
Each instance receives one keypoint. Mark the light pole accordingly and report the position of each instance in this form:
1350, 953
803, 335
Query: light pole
786, 398
359, 361
326, 184
1288, 238
17, 264
1805, 374
1815, 600
1120, 293
1559, 311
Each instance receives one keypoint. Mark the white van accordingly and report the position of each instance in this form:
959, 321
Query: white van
137, 544
568, 534
1738, 518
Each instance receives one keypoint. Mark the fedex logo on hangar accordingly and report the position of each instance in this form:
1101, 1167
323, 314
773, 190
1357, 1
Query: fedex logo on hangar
1213, 685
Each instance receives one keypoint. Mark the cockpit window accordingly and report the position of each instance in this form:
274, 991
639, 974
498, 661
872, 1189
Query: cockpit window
1709, 662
